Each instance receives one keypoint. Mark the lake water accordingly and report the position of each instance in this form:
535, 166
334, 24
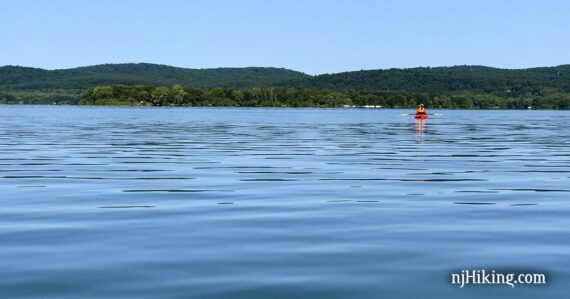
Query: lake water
280, 203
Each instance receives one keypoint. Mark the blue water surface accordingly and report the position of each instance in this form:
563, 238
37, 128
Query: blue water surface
280, 203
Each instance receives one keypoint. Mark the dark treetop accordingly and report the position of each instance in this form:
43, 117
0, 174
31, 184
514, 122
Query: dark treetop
150, 84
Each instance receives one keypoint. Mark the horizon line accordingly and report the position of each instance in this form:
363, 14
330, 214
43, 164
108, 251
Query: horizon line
285, 68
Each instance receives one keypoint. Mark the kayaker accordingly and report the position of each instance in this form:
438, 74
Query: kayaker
421, 112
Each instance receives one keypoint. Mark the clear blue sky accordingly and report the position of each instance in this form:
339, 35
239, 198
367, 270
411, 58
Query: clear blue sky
312, 36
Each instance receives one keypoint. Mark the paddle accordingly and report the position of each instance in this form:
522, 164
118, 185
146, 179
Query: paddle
406, 114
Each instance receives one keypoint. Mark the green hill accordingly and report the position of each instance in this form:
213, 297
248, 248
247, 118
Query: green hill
19, 78
478, 79
67, 84
444, 87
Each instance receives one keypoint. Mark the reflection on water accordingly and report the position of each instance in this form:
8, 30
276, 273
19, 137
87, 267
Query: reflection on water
279, 203
420, 130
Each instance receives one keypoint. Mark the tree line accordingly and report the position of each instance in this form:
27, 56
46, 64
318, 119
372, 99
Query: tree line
178, 95
139, 84
479, 79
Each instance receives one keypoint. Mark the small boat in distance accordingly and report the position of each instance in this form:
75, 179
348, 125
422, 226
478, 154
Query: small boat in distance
421, 112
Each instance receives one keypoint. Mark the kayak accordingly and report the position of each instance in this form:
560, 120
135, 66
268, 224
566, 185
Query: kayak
421, 116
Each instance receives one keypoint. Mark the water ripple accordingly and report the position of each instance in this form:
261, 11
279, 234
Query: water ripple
278, 203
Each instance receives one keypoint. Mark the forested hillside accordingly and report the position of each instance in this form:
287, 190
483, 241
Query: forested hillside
66, 85
466, 87
479, 79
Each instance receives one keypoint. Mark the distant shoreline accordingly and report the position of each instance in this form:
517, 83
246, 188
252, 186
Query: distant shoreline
409, 109
457, 87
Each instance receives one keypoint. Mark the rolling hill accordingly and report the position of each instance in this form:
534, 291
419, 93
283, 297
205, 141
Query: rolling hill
25, 78
480, 79
33, 85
